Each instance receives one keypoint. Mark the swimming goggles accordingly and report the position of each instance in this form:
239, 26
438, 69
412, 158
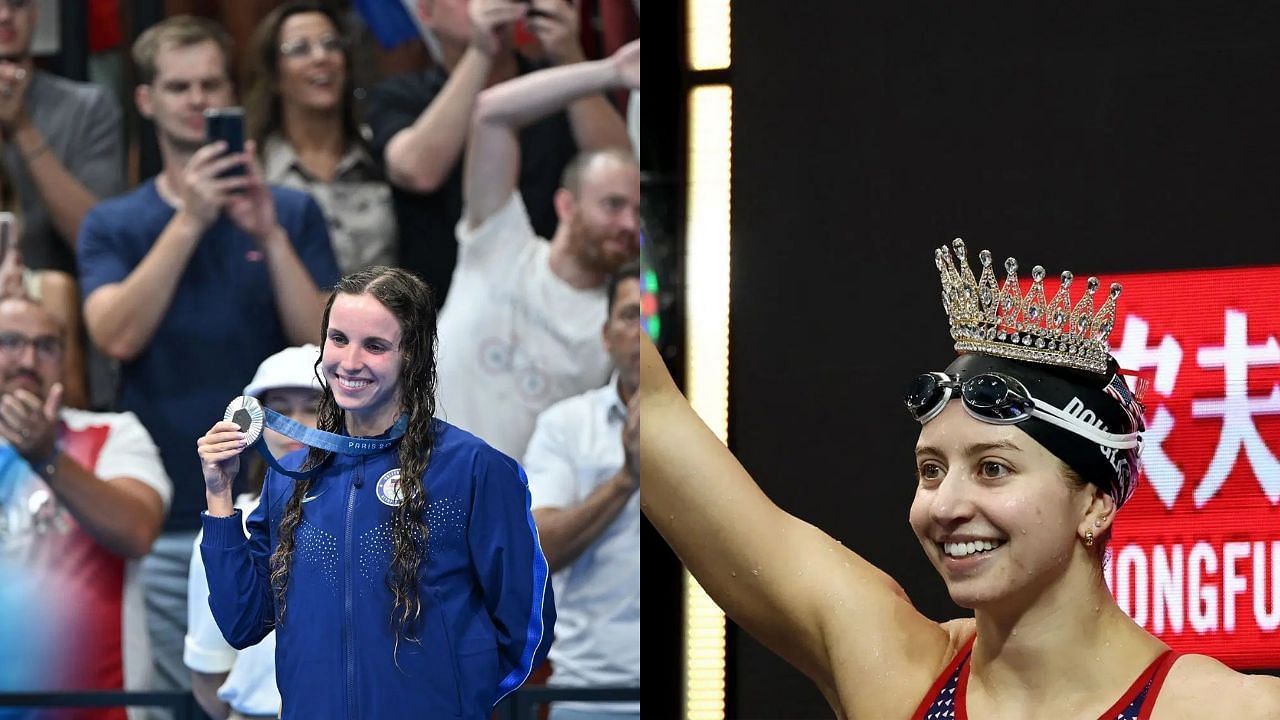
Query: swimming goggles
1001, 400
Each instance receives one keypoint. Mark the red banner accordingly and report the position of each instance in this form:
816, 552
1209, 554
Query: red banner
1195, 554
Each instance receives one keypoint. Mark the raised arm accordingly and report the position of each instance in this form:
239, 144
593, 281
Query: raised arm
800, 592
299, 301
595, 124
421, 156
119, 511
240, 594
122, 317
93, 172
493, 153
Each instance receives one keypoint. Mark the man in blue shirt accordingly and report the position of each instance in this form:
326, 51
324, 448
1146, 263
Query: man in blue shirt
191, 281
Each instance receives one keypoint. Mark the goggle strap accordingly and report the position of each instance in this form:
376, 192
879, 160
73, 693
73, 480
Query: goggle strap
1054, 416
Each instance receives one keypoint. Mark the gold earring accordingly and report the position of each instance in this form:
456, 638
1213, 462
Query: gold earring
1088, 538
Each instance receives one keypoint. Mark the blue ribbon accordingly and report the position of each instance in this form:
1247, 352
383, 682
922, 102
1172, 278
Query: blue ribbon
341, 444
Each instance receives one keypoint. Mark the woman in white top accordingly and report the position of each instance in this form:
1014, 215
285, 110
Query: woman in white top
300, 109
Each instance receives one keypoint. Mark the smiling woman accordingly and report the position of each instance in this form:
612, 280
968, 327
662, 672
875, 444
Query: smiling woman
1028, 447
425, 550
361, 364
301, 111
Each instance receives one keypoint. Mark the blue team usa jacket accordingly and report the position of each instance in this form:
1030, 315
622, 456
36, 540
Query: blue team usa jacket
487, 610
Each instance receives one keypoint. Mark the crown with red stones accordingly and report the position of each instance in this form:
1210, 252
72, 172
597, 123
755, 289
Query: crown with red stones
999, 320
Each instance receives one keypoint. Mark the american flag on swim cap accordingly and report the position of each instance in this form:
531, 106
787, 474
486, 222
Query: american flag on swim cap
1132, 405
1119, 389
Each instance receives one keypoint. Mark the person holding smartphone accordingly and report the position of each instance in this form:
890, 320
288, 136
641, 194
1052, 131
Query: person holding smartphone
191, 281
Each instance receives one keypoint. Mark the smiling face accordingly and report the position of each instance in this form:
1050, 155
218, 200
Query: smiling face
361, 362
604, 217
992, 509
311, 62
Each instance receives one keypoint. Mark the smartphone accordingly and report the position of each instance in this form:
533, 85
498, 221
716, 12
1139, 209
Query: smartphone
226, 124
7, 240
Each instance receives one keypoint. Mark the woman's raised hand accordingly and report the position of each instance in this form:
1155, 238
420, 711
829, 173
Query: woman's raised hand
220, 450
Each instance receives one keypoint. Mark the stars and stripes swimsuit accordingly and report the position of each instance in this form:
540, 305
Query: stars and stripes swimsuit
945, 700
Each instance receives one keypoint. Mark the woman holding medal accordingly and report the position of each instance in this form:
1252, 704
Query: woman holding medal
227, 683
400, 568
1028, 447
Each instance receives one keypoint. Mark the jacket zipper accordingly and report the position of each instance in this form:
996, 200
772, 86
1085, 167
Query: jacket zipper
349, 624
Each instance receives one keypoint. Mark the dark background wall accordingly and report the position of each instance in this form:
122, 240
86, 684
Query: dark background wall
1098, 139
662, 165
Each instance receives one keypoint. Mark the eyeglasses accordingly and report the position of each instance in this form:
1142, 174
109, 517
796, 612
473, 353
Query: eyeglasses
629, 314
1001, 400
301, 47
48, 347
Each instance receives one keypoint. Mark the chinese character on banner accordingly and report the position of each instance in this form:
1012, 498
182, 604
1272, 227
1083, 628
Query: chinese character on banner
1195, 554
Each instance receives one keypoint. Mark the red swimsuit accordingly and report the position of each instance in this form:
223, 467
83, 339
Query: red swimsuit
945, 700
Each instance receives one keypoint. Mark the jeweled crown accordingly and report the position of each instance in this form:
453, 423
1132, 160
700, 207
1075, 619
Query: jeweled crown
999, 320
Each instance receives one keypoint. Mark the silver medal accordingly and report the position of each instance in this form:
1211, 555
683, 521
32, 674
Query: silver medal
246, 412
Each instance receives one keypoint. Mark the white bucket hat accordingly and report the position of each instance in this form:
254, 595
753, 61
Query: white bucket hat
290, 368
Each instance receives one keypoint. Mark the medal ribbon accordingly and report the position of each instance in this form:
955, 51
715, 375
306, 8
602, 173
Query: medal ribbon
312, 437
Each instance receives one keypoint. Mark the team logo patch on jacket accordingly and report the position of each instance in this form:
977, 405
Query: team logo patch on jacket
389, 488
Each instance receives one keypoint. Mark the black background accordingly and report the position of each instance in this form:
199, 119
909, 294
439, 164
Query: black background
661, 153
1100, 139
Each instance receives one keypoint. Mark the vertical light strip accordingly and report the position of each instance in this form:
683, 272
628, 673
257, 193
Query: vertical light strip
709, 28
707, 371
